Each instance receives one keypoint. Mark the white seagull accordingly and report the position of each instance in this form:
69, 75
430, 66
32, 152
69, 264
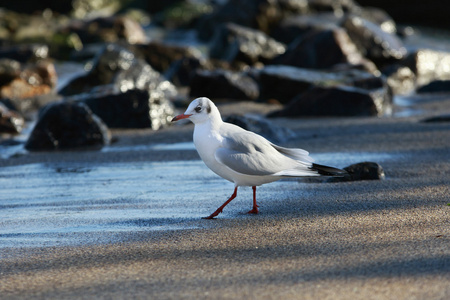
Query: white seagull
244, 157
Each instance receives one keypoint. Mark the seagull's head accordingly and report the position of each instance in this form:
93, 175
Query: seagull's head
199, 111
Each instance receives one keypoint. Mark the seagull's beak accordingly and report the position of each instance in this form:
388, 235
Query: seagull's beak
179, 117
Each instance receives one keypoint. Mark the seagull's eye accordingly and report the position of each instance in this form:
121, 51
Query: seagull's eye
198, 109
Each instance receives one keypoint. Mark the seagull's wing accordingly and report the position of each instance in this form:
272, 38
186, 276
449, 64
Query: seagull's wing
248, 153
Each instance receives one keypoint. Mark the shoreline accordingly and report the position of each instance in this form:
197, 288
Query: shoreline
386, 239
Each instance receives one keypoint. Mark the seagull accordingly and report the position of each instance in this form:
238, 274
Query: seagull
244, 157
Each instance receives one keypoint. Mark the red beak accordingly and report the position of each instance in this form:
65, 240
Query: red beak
179, 117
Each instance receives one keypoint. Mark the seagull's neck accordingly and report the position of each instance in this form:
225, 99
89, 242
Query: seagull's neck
212, 124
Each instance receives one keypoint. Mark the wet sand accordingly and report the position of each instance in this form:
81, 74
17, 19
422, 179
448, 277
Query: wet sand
386, 239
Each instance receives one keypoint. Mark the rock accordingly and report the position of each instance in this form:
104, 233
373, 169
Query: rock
362, 171
401, 79
157, 6
285, 82
377, 45
10, 121
223, 84
237, 43
263, 127
115, 72
436, 86
182, 71
429, 65
256, 14
437, 119
106, 29
25, 53
321, 50
67, 126
118, 66
26, 81
338, 7
161, 56
294, 27
133, 108
182, 15
379, 17
337, 101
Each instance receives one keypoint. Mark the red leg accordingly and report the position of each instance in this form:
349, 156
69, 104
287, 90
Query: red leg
219, 210
255, 206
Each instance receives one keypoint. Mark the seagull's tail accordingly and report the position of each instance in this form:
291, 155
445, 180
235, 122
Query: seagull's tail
328, 171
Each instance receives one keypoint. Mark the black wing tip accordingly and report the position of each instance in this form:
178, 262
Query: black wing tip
328, 171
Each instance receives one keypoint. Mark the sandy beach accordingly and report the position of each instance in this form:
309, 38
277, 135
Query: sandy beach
385, 239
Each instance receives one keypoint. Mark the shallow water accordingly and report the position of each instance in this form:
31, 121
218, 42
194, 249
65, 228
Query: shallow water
51, 204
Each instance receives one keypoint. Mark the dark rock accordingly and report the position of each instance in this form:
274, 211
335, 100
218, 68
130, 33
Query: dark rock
257, 14
62, 6
429, 65
338, 7
116, 71
181, 71
182, 15
120, 67
65, 126
320, 50
237, 43
430, 14
282, 83
106, 29
10, 121
156, 6
25, 53
362, 171
379, 17
337, 101
401, 79
161, 56
377, 45
285, 82
437, 86
223, 84
134, 108
294, 27
9, 70
437, 119
263, 127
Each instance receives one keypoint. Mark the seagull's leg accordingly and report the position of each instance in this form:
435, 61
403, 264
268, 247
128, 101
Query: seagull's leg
219, 210
255, 206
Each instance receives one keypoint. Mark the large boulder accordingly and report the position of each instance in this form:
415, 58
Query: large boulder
429, 65
67, 126
340, 101
283, 83
436, 86
161, 56
376, 44
295, 26
118, 66
106, 29
223, 84
321, 50
257, 14
237, 43
134, 108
